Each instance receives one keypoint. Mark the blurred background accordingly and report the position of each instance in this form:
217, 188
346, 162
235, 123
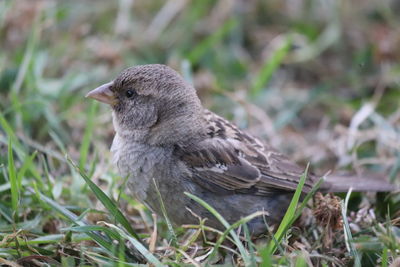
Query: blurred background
294, 72
319, 80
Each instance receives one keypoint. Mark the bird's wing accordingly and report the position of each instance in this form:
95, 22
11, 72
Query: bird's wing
230, 161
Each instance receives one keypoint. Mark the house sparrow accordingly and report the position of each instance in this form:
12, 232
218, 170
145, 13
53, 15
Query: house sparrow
166, 141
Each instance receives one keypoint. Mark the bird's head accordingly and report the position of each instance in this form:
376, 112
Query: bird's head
152, 104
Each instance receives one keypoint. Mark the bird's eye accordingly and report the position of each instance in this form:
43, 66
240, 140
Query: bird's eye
129, 93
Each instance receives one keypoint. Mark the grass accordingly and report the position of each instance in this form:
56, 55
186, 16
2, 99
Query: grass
287, 220
347, 232
298, 76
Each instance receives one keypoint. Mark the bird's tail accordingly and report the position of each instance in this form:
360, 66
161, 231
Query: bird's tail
368, 182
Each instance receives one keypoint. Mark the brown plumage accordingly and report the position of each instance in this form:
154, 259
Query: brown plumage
165, 137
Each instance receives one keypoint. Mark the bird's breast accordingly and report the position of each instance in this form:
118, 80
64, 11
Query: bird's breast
141, 164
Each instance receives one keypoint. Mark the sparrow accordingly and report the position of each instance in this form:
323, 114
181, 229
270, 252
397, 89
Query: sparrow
166, 144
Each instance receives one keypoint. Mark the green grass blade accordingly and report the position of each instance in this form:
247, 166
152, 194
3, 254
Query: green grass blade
164, 211
51, 239
198, 51
26, 165
26, 225
385, 257
222, 220
347, 232
308, 197
10, 133
266, 259
250, 245
235, 225
289, 216
6, 127
99, 239
270, 66
65, 212
140, 247
12, 175
107, 202
6, 213
93, 228
300, 261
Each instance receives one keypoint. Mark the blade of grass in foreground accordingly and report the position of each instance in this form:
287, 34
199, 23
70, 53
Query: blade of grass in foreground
93, 228
25, 166
107, 202
12, 176
235, 225
245, 256
10, 133
287, 220
266, 261
139, 246
50, 239
347, 232
385, 257
100, 239
164, 211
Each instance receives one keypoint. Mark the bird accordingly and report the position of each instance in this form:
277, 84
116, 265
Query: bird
166, 143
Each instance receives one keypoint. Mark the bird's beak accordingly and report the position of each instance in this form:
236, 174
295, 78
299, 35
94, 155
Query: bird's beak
103, 94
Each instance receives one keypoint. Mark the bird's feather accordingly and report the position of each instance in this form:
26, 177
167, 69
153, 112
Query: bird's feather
230, 161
